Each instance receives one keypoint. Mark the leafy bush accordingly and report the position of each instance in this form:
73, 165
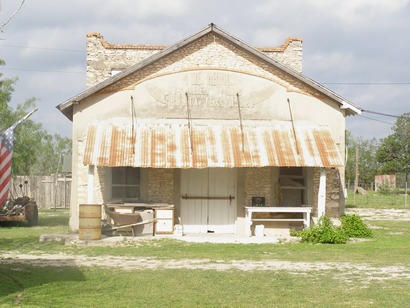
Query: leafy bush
354, 226
325, 232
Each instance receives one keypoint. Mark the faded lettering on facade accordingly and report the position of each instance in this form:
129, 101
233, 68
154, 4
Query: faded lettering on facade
209, 89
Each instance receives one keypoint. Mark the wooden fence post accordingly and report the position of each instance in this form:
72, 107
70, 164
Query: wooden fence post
51, 191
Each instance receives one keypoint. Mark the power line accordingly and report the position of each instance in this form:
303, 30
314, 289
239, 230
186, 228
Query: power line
367, 83
323, 83
375, 120
43, 48
383, 114
38, 70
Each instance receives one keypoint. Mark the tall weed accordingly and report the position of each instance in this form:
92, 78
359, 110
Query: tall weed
354, 226
325, 232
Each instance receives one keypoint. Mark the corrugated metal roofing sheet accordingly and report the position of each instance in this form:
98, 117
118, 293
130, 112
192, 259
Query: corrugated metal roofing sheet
173, 145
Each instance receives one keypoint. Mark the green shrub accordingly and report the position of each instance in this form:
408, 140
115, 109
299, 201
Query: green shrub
325, 232
354, 226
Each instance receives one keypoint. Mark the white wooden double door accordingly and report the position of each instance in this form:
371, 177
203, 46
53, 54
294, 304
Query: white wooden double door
208, 200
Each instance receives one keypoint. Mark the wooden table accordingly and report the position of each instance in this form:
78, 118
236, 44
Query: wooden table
275, 209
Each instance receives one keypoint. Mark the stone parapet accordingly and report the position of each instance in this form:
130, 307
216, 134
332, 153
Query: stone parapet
105, 59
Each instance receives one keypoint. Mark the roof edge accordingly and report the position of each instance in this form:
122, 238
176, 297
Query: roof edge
66, 107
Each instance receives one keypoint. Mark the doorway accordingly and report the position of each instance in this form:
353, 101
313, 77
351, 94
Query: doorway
208, 202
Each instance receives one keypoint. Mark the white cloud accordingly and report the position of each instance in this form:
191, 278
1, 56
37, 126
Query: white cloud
344, 41
168, 8
354, 15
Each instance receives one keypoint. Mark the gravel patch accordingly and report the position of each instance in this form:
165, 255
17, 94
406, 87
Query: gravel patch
345, 270
381, 214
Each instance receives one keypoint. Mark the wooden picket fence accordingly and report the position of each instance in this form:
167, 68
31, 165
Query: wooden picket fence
49, 192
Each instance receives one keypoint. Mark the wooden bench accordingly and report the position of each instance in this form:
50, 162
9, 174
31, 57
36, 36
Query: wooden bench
275, 209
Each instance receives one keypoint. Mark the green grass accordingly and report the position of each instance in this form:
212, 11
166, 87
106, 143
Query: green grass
95, 287
377, 200
29, 286
18, 236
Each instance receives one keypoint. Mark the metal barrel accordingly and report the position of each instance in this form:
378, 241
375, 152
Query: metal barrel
90, 222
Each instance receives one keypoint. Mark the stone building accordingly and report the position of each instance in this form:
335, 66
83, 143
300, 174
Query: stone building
210, 125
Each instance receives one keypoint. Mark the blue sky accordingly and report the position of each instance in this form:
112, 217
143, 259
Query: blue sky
359, 49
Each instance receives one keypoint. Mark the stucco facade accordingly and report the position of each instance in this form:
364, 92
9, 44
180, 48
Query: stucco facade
209, 79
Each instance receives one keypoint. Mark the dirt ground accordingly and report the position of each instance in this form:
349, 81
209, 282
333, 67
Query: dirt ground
381, 214
346, 270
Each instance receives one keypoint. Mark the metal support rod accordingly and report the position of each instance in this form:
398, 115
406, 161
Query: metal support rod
133, 124
240, 122
293, 127
186, 197
188, 108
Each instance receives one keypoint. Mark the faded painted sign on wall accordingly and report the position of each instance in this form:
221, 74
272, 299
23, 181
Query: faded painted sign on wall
208, 94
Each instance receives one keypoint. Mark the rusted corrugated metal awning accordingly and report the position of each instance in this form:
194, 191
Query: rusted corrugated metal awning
174, 145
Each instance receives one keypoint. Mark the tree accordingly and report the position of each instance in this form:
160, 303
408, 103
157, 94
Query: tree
394, 151
54, 147
36, 152
3, 24
368, 165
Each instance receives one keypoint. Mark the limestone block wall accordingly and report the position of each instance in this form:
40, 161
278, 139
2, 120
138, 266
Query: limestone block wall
160, 185
103, 57
258, 184
289, 54
79, 191
333, 192
99, 185
210, 52
82, 176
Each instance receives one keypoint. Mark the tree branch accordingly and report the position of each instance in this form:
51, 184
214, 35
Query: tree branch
12, 16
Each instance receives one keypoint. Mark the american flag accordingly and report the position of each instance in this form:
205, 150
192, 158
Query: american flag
6, 153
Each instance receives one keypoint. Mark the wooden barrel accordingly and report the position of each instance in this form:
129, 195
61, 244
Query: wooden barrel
90, 222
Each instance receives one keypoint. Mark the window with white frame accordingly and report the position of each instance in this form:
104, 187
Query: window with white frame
126, 183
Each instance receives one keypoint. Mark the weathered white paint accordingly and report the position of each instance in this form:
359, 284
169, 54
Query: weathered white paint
208, 215
90, 187
209, 74
268, 209
321, 206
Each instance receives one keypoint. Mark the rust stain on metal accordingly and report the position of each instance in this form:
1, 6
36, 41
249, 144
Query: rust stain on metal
277, 148
225, 147
185, 149
236, 147
254, 154
113, 148
309, 146
213, 149
171, 149
169, 146
324, 142
89, 145
270, 148
199, 159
